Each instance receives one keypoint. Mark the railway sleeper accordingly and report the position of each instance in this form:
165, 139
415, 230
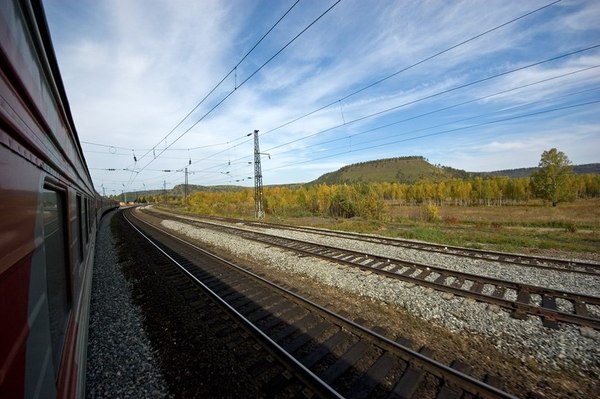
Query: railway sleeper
314, 357
410, 380
449, 391
345, 362
306, 336
366, 383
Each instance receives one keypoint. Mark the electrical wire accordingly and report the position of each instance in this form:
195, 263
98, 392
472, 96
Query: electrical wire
536, 113
410, 67
439, 93
402, 105
320, 143
225, 77
248, 78
486, 97
239, 160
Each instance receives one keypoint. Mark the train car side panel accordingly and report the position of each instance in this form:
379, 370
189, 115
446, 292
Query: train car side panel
47, 233
17, 243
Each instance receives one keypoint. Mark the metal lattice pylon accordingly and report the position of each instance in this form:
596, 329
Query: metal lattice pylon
258, 184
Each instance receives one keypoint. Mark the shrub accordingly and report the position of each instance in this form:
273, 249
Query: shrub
432, 212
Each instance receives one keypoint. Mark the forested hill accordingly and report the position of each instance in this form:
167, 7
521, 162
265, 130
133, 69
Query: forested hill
415, 168
403, 169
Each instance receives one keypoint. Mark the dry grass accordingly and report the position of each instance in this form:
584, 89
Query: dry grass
570, 227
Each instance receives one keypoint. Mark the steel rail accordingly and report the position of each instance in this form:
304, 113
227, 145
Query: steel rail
308, 377
414, 358
579, 267
519, 307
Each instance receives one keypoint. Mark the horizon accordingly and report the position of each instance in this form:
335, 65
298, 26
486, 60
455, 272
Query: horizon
313, 181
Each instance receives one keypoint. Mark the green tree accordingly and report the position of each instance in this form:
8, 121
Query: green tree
552, 180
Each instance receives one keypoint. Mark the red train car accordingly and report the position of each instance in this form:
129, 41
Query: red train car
48, 215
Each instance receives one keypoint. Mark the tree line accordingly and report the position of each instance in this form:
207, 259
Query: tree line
369, 200
553, 182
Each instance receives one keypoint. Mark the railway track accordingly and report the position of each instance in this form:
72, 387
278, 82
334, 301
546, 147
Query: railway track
553, 306
494, 256
333, 356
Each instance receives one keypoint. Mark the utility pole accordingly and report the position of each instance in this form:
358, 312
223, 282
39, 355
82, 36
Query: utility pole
185, 189
258, 184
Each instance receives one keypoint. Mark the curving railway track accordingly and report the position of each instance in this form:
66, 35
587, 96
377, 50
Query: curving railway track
331, 356
552, 305
541, 262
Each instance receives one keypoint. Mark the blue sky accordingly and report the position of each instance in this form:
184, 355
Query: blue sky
134, 69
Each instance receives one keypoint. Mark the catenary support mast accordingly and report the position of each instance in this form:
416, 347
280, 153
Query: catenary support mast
258, 184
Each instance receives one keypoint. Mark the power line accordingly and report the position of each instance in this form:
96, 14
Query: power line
444, 109
239, 160
225, 77
462, 86
536, 113
109, 146
248, 78
411, 66
456, 121
464, 103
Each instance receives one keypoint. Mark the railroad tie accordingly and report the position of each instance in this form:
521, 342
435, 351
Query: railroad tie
524, 298
451, 392
549, 302
314, 357
410, 380
369, 380
305, 337
581, 309
345, 362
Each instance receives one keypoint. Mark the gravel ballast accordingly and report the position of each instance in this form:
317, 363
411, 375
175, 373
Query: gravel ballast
563, 280
562, 349
120, 360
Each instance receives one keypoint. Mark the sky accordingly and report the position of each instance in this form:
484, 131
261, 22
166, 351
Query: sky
159, 86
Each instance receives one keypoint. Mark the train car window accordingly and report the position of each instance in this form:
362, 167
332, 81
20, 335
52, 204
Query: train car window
89, 214
79, 231
57, 270
83, 220
87, 219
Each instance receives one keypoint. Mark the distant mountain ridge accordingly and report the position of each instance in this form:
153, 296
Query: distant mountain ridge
412, 169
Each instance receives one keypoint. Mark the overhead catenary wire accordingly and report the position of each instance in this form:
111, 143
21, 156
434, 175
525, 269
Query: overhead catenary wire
430, 112
486, 97
439, 93
481, 98
458, 87
385, 78
373, 83
338, 101
234, 69
453, 122
205, 156
536, 113
248, 78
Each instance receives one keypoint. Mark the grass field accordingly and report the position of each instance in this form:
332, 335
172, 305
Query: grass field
570, 227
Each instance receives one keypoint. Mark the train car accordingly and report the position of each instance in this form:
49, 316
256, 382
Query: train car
49, 211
